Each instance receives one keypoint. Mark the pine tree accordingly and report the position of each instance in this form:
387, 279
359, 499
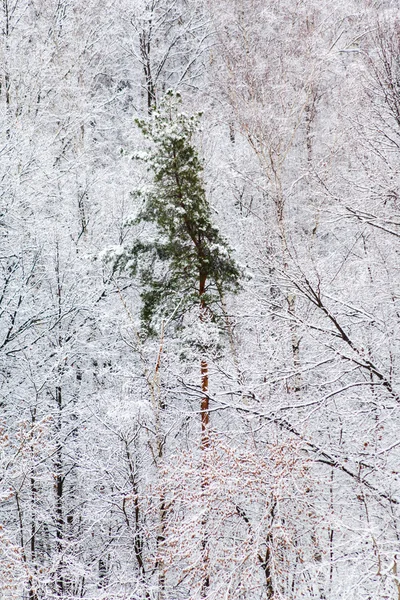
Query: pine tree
187, 262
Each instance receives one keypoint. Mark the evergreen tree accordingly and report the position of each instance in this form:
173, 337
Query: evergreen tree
187, 262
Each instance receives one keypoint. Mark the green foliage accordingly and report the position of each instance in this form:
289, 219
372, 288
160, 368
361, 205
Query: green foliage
187, 262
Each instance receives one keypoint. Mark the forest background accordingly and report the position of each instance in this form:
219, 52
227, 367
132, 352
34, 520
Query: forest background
246, 447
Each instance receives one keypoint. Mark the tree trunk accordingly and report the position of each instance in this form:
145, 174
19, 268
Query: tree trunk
145, 49
59, 485
204, 406
205, 442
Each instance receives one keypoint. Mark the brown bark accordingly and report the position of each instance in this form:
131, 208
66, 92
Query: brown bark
205, 415
204, 406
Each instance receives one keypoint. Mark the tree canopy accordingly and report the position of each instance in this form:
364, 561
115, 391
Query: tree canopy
186, 259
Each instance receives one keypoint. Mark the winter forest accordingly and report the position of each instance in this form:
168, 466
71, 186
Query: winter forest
200, 300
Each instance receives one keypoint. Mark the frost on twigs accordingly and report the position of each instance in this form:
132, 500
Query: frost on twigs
199, 337
26, 448
250, 504
13, 575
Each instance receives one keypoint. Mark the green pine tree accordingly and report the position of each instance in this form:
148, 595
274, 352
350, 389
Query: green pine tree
187, 262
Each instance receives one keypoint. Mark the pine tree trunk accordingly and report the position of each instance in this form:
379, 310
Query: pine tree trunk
204, 407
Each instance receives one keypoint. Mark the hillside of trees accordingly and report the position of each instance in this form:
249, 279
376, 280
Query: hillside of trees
200, 300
